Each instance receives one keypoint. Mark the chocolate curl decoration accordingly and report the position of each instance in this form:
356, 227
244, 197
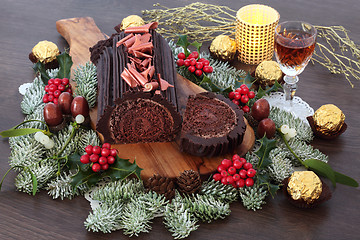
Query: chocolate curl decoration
143, 47
150, 86
124, 39
145, 37
129, 78
137, 75
128, 43
163, 83
145, 63
142, 29
141, 54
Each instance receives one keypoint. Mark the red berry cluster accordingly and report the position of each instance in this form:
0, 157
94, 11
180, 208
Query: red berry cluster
54, 88
241, 97
236, 172
197, 67
99, 157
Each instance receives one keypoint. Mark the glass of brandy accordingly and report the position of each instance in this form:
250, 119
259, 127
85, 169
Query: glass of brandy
294, 46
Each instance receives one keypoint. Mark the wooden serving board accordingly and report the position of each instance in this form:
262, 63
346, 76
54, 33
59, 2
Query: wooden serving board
164, 159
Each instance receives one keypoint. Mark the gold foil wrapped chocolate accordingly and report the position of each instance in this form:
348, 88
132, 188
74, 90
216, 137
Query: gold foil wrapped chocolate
268, 72
131, 21
45, 51
305, 185
223, 47
328, 119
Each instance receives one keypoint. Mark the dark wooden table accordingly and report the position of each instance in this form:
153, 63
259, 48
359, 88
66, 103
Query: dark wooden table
24, 23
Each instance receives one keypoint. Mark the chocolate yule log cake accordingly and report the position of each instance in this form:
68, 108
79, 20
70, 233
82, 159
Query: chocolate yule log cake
136, 87
212, 125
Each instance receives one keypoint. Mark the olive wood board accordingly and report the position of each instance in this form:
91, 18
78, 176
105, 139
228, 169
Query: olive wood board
164, 159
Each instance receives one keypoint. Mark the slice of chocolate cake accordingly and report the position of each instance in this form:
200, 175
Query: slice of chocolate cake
212, 125
136, 87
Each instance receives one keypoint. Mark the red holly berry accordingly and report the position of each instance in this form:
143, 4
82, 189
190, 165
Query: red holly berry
243, 85
106, 145
231, 170
105, 152
231, 95
199, 65
50, 81
206, 62
244, 98
46, 98
243, 160
94, 157
89, 149
224, 173
52, 87
240, 183
181, 55
237, 96
85, 159
190, 56
217, 177
243, 173
47, 88
187, 62
195, 54
236, 102
246, 109
221, 168
192, 61
198, 72
249, 182
191, 68
105, 167
50, 97
210, 69
201, 60
57, 93
237, 164
57, 81
238, 90
224, 181
96, 150
226, 163
96, 167
251, 94
235, 157
244, 90
69, 90
180, 62
110, 160
207, 68
113, 152
102, 160
236, 177
56, 100
65, 81
61, 87
251, 172
229, 180
247, 166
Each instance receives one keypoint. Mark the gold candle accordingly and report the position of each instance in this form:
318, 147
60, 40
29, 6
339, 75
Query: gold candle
254, 34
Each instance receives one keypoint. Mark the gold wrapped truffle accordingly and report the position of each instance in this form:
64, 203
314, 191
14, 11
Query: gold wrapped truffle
267, 72
223, 47
45, 51
328, 119
131, 21
305, 185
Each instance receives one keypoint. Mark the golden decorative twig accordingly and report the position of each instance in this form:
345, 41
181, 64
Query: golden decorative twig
203, 22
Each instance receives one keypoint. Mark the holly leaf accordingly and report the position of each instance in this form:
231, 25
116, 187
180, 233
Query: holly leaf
207, 83
197, 45
65, 63
248, 80
264, 179
262, 92
19, 132
122, 168
321, 168
184, 43
343, 179
263, 152
40, 69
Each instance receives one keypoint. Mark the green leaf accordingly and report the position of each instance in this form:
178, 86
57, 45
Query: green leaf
184, 43
19, 132
272, 188
39, 68
34, 181
213, 87
264, 179
65, 63
321, 168
263, 152
262, 92
197, 45
122, 168
343, 179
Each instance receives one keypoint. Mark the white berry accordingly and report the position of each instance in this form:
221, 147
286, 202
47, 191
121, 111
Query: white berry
38, 136
292, 132
79, 119
287, 137
44, 139
50, 144
284, 129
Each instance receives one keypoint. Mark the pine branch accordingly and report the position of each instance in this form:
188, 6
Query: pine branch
106, 218
33, 97
153, 202
206, 208
86, 80
178, 220
281, 166
281, 117
118, 190
135, 219
85, 138
42, 171
60, 187
226, 193
60, 139
253, 197
252, 158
